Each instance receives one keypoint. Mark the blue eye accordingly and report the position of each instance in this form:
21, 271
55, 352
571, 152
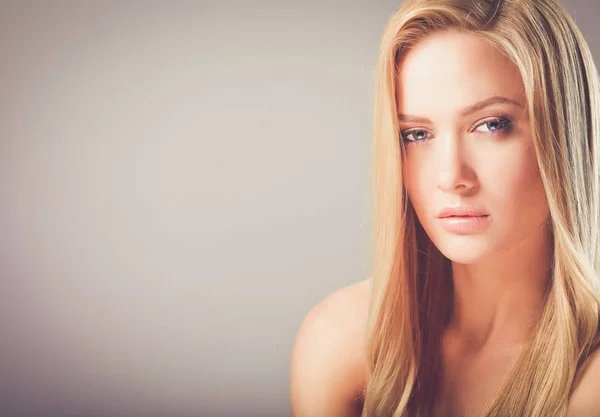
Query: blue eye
495, 126
501, 124
417, 135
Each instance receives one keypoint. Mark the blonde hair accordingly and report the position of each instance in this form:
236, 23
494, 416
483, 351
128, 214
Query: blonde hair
411, 294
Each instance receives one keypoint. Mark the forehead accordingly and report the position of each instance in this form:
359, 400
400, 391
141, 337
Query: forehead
448, 71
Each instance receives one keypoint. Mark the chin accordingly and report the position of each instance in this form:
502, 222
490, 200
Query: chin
462, 249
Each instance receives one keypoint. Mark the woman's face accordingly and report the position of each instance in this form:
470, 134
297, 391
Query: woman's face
467, 143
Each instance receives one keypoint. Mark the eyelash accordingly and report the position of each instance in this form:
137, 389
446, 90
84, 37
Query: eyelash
505, 121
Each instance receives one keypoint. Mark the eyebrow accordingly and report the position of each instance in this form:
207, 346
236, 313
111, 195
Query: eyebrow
466, 111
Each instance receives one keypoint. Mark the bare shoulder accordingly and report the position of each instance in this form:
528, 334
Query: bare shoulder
327, 371
585, 400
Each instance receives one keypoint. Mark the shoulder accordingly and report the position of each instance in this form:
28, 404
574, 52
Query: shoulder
327, 372
585, 399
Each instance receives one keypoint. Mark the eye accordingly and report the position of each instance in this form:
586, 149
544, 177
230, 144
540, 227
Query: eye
495, 125
416, 135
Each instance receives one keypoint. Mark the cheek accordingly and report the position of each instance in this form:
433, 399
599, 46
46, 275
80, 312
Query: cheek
419, 186
517, 186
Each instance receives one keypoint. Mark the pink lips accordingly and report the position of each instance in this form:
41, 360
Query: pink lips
463, 219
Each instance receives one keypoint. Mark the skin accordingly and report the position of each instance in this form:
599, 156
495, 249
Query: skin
499, 273
476, 159
458, 154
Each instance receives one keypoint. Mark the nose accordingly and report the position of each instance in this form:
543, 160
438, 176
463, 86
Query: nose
454, 172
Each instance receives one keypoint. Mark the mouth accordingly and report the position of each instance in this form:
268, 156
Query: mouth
461, 211
464, 224
462, 216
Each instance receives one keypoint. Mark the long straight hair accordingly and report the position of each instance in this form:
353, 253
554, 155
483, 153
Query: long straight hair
411, 281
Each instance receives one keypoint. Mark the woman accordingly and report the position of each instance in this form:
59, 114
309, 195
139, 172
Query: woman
485, 294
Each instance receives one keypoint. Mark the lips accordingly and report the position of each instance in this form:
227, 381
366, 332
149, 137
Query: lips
463, 219
461, 211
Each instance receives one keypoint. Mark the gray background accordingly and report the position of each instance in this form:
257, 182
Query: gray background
180, 182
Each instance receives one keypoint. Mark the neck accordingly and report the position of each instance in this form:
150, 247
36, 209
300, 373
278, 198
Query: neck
499, 300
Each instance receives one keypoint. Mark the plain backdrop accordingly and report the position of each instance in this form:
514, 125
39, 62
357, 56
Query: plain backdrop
180, 182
